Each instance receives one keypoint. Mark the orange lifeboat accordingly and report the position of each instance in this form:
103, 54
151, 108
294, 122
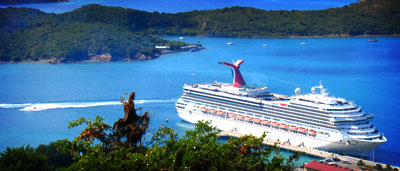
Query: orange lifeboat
313, 132
266, 122
284, 125
203, 109
293, 128
249, 118
275, 124
303, 130
240, 116
213, 111
220, 112
258, 120
231, 115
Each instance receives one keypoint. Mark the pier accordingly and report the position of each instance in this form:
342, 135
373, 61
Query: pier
311, 151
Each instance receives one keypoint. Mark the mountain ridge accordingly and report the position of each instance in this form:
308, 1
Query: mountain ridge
122, 33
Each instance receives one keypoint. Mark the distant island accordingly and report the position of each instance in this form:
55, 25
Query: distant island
95, 32
16, 2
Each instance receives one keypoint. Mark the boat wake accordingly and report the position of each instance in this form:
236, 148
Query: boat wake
63, 105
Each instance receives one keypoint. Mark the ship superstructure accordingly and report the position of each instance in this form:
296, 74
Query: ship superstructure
314, 120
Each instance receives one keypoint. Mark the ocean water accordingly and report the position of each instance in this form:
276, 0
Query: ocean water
38, 100
174, 6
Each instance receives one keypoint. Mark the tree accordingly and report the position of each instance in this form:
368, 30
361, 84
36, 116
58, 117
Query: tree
388, 167
379, 167
360, 164
55, 157
22, 158
120, 147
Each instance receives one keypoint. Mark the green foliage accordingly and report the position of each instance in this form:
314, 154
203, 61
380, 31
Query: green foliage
55, 157
200, 150
360, 164
128, 34
176, 45
388, 167
197, 150
378, 166
75, 36
22, 158
102, 147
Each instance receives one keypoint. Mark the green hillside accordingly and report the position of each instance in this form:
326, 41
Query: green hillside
120, 33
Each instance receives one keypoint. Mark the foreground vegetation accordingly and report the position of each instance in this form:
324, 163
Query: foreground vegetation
378, 167
124, 147
29, 34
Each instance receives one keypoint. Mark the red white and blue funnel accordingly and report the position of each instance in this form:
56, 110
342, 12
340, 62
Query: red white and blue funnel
237, 76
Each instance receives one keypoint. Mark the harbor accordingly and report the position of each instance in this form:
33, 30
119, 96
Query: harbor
346, 161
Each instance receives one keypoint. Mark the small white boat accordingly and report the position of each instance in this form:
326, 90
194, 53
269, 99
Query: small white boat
181, 38
229, 43
303, 43
265, 45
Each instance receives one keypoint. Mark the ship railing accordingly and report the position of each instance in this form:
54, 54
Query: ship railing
365, 117
362, 131
363, 136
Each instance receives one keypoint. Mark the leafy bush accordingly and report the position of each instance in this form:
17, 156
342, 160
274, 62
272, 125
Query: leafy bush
22, 158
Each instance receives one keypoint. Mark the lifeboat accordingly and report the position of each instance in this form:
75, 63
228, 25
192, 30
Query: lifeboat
249, 118
213, 111
240, 116
275, 124
312, 132
284, 125
266, 122
258, 120
293, 128
231, 115
303, 130
220, 112
203, 109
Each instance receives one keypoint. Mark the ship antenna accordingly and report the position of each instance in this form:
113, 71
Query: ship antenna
237, 76
322, 89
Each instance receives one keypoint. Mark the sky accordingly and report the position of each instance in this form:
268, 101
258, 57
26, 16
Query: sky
174, 6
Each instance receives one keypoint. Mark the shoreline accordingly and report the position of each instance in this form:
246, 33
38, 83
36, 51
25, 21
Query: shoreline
311, 151
295, 37
47, 61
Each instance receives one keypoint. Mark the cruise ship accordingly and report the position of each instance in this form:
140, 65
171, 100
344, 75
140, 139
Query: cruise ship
314, 120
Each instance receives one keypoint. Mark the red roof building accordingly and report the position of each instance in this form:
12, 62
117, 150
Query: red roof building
322, 166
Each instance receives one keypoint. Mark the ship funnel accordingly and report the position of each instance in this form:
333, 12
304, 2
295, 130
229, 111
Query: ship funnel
237, 76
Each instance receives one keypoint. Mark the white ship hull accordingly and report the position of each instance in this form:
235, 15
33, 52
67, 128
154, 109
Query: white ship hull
335, 143
314, 120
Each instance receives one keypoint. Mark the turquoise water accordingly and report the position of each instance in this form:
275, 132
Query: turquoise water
364, 72
174, 6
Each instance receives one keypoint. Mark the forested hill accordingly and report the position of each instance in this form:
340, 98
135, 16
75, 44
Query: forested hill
374, 17
29, 34
126, 33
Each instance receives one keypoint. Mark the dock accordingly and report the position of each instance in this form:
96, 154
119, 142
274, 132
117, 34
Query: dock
311, 151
